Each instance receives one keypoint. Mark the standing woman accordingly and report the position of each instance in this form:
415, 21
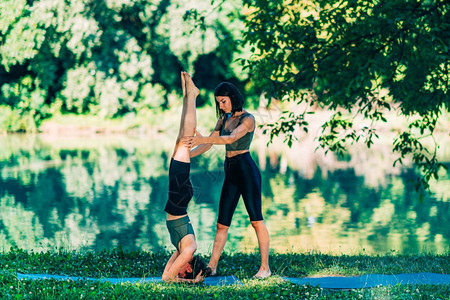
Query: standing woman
234, 129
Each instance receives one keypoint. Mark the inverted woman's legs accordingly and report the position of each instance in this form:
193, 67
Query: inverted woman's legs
188, 117
179, 185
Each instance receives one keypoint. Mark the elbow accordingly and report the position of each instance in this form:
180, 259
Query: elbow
190, 250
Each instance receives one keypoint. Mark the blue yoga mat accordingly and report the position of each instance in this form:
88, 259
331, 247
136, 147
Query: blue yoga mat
213, 280
371, 280
335, 282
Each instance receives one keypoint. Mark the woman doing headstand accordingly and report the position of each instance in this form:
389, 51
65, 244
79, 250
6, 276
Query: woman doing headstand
182, 266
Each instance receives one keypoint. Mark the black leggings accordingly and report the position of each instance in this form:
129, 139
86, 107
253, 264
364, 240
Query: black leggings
242, 177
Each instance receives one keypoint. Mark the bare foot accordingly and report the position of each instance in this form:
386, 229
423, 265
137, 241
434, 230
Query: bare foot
190, 86
262, 274
183, 84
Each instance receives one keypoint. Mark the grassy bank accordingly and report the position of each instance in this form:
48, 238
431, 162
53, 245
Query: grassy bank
157, 120
119, 263
146, 122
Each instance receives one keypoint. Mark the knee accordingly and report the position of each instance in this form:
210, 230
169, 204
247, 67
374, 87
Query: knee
258, 224
222, 228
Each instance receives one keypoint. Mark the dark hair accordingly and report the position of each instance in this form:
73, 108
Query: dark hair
197, 264
229, 90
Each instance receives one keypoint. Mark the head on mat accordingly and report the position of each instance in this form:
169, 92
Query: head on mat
192, 268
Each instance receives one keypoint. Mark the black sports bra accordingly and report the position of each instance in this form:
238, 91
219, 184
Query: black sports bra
244, 142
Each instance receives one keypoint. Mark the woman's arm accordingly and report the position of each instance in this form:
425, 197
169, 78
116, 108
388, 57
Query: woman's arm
170, 263
247, 125
178, 260
200, 149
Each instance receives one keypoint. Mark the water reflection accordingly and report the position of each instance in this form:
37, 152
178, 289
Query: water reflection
100, 192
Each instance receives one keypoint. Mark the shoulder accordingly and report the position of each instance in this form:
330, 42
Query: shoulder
248, 117
248, 120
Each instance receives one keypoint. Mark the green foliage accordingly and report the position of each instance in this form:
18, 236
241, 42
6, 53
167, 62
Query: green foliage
12, 120
211, 46
111, 58
287, 122
356, 57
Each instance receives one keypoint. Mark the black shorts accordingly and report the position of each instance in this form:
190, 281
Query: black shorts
180, 188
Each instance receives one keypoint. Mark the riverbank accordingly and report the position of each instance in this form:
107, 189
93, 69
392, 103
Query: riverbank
149, 122
122, 264
146, 122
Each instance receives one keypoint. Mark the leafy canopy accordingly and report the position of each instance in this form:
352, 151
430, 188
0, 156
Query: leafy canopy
355, 57
109, 58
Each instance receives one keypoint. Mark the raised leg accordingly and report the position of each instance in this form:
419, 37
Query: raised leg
188, 117
185, 101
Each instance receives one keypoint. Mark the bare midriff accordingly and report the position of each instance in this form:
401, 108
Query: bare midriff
173, 217
234, 153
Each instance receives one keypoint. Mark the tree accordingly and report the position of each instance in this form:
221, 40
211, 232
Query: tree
107, 58
363, 57
205, 40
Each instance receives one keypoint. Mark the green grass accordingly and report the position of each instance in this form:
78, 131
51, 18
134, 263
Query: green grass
119, 263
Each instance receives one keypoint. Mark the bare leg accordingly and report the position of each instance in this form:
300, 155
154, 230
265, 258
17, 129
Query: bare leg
183, 84
219, 242
181, 153
188, 117
263, 240
183, 113
187, 128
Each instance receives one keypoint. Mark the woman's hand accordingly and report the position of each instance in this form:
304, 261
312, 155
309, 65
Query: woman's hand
199, 277
188, 141
192, 141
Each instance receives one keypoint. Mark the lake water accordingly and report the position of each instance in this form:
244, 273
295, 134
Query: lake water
96, 192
